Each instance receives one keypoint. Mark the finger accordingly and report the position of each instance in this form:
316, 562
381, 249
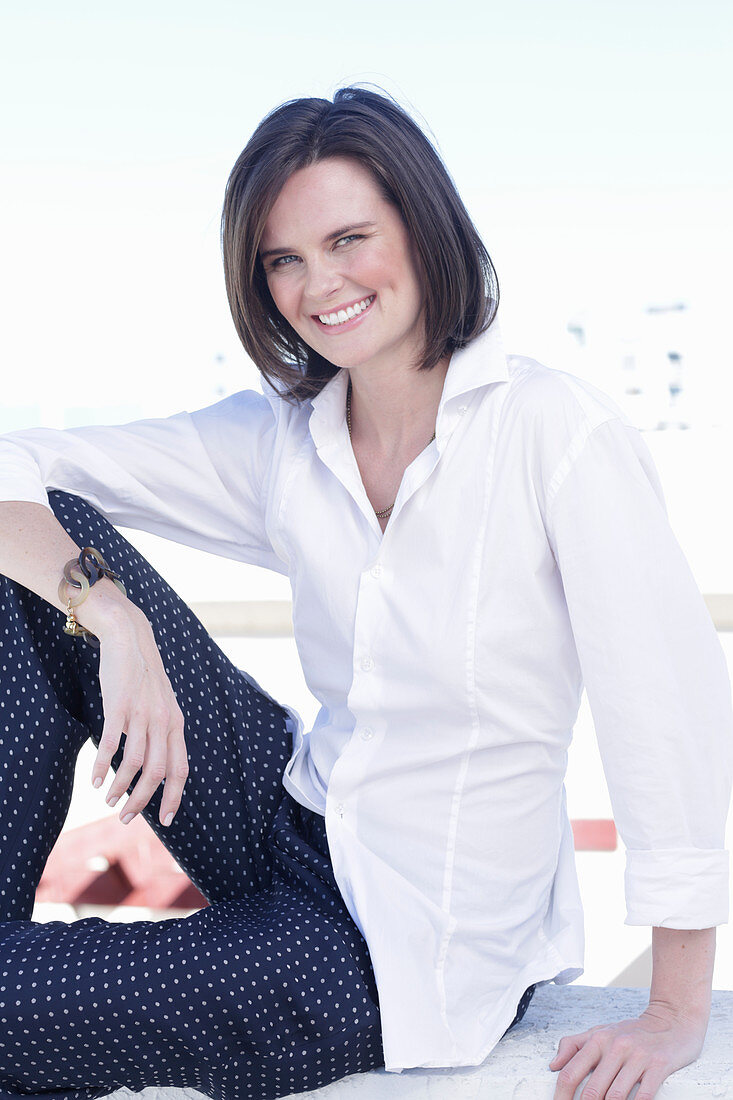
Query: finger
603, 1075
132, 760
571, 1044
651, 1083
108, 745
576, 1070
566, 1048
176, 773
622, 1084
153, 773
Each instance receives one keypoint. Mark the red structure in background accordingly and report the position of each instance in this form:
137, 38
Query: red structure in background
106, 863
594, 835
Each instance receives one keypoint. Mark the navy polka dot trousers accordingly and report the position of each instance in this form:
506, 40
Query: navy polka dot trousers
267, 990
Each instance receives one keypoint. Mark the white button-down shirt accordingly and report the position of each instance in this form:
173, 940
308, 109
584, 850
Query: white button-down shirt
529, 553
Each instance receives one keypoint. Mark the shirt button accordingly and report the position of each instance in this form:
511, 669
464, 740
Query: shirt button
367, 734
462, 409
367, 664
376, 570
339, 808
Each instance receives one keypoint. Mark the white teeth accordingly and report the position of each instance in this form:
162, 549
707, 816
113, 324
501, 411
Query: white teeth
345, 314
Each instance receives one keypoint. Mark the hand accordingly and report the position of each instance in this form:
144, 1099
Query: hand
645, 1049
139, 700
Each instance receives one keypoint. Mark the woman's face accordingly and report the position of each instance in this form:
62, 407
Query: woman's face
331, 242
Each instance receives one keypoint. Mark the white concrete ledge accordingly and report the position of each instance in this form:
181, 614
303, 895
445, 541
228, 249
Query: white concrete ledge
274, 619
246, 618
517, 1069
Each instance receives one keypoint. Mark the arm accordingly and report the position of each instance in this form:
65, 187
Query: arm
659, 691
136, 692
682, 973
196, 478
34, 548
668, 1035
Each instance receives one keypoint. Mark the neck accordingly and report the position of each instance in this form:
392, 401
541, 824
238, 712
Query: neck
394, 412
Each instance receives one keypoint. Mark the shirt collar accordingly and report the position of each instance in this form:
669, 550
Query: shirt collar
480, 363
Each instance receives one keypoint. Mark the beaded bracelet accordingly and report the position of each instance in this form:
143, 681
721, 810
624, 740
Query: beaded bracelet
81, 573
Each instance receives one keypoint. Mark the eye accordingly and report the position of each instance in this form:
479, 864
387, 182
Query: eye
280, 260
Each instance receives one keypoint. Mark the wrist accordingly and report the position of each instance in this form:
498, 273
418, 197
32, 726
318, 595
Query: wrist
104, 607
682, 972
665, 1013
690, 1004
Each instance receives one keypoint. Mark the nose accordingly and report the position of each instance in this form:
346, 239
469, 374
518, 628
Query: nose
322, 282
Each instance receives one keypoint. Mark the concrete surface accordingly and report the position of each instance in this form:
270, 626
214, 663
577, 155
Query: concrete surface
517, 1069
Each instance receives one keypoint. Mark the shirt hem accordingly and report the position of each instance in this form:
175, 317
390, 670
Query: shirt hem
559, 972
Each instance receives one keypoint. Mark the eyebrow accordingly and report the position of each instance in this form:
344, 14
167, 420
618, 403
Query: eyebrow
331, 236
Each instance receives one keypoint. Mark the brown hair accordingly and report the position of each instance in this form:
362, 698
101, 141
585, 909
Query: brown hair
457, 278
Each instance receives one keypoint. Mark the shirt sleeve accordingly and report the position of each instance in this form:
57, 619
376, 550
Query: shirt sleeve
201, 478
655, 675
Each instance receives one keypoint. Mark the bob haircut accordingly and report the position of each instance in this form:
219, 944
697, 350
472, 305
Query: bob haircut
456, 276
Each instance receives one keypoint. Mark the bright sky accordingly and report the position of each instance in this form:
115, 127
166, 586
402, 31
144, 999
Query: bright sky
590, 142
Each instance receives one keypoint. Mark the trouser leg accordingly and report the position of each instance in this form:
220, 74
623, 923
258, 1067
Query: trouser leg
237, 738
225, 1000
40, 738
522, 1006
248, 999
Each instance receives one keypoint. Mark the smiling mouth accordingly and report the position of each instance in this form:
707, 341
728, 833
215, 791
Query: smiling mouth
333, 320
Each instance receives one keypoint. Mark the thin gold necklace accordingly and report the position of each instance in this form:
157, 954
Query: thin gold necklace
381, 513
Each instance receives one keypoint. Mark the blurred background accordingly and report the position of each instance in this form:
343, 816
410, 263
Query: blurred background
591, 144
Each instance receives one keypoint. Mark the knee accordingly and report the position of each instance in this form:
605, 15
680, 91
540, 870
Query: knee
80, 519
62, 503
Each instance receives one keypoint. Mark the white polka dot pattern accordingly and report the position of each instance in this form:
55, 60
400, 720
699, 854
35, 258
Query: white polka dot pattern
267, 990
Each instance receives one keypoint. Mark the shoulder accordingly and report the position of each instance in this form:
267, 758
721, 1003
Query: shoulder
551, 415
242, 405
265, 413
557, 399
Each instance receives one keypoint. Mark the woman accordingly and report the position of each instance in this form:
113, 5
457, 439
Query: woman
470, 537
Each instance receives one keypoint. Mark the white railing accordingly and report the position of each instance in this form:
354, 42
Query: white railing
273, 618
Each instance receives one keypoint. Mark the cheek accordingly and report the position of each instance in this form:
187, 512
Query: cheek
394, 268
283, 301
374, 265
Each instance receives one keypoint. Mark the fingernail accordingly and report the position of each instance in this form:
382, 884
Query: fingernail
98, 781
168, 819
127, 819
113, 800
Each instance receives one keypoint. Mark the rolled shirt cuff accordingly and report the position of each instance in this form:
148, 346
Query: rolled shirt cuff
677, 887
